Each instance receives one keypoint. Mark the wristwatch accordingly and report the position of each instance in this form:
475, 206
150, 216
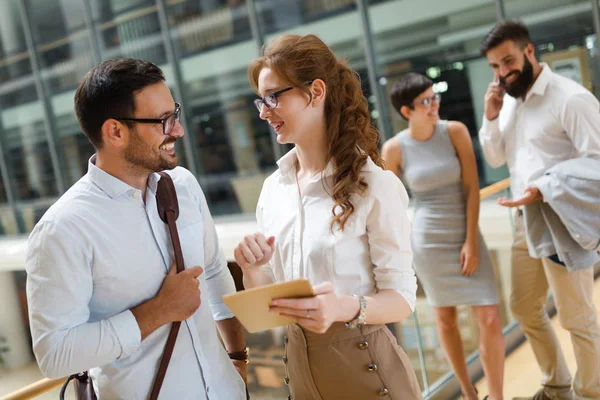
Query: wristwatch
361, 318
239, 355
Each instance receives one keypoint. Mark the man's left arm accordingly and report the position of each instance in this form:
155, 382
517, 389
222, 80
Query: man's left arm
580, 118
233, 337
219, 283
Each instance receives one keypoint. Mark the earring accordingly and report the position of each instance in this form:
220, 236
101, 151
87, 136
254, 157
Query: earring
314, 103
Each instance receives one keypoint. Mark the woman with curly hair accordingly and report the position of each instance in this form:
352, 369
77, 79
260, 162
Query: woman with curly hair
332, 215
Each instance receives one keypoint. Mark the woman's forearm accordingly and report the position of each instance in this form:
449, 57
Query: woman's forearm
472, 214
255, 277
385, 307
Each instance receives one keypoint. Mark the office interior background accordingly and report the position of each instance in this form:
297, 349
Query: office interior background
204, 46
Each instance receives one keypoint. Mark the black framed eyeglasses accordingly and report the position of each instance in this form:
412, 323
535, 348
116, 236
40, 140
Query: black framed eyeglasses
167, 122
272, 99
428, 101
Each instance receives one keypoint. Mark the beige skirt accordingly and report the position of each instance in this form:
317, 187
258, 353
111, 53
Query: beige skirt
364, 363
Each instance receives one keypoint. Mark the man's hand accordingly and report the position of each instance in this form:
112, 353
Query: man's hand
242, 369
493, 100
532, 194
177, 299
179, 295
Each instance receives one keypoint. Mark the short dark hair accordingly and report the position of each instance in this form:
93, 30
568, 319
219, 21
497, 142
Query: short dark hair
107, 91
512, 30
407, 89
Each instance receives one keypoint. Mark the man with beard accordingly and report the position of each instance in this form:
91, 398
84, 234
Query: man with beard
535, 119
102, 285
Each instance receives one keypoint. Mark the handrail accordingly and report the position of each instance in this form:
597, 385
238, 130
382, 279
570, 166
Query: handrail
494, 188
35, 389
45, 385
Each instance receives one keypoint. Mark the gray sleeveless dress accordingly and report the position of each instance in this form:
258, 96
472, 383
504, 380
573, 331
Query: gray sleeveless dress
432, 171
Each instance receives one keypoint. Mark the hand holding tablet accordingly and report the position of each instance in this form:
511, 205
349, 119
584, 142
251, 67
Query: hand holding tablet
251, 307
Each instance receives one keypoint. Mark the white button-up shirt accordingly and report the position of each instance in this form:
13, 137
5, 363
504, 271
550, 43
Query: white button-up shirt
558, 120
372, 253
100, 251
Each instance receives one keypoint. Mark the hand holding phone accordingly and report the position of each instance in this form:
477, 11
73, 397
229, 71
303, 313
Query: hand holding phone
493, 99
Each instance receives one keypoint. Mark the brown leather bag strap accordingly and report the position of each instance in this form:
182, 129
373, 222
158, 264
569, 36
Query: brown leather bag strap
168, 210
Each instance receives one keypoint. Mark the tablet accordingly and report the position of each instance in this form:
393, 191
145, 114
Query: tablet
251, 307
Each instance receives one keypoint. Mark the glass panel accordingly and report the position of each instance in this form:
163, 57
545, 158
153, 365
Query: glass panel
233, 149
441, 40
3, 184
282, 15
129, 28
7, 220
23, 132
15, 68
63, 48
3, 198
204, 25
55, 20
27, 151
8, 225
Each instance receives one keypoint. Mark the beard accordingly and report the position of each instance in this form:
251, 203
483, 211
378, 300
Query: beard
519, 87
141, 154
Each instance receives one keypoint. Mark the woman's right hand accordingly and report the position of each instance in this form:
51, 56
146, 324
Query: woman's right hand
254, 251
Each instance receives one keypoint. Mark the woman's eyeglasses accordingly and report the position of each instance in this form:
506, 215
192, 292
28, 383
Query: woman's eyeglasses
272, 99
167, 122
428, 101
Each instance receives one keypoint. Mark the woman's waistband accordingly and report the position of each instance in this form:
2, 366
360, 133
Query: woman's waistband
450, 191
336, 333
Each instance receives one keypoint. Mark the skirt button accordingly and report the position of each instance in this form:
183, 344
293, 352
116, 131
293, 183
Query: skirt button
363, 345
383, 392
372, 367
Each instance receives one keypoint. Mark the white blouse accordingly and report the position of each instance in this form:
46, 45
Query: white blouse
371, 254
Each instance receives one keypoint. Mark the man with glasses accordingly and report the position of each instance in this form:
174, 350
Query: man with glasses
102, 287
534, 120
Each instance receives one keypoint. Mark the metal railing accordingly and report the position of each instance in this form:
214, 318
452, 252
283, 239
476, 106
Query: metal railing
45, 385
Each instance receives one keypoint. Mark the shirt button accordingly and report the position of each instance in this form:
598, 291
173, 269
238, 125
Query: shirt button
136, 195
207, 389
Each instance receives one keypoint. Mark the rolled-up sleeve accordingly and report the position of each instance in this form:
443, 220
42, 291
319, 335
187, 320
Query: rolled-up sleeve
388, 231
268, 267
218, 278
492, 142
59, 289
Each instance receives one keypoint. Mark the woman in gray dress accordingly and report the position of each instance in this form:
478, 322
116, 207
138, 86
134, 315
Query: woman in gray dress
451, 259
